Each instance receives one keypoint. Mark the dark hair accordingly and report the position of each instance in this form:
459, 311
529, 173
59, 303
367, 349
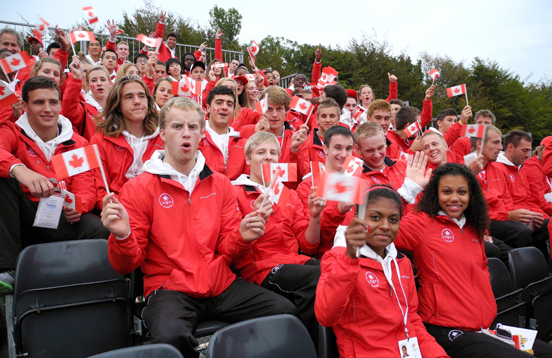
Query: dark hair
476, 214
379, 191
170, 61
405, 116
337, 130
446, 112
161, 63
52, 46
38, 82
338, 93
106, 51
221, 90
172, 34
397, 101
140, 55
515, 136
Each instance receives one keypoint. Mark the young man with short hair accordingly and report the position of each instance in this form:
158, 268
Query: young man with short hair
52, 48
400, 141
36, 46
396, 104
189, 61
94, 53
109, 60
187, 275
26, 150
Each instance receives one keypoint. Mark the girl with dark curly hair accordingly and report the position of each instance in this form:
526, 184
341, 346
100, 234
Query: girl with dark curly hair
445, 235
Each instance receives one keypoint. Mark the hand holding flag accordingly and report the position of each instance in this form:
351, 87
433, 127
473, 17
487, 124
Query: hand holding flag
151, 42
285, 172
81, 36
7, 97
186, 87
253, 50
262, 105
412, 129
352, 166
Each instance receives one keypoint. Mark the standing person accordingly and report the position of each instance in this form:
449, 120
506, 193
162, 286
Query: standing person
186, 269
375, 290
445, 235
109, 61
94, 52
127, 69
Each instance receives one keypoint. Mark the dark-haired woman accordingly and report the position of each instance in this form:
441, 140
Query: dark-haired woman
367, 292
445, 235
128, 135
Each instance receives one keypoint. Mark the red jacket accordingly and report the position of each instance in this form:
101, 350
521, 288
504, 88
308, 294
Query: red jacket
117, 156
149, 82
312, 150
164, 52
192, 257
532, 171
208, 87
235, 163
547, 157
245, 117
393, 174
495, 189
455, 287
396, 145
80, 113
365, 317
283, 237
17, 148
427, 112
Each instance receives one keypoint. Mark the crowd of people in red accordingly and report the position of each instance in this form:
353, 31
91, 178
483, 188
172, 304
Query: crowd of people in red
185, 198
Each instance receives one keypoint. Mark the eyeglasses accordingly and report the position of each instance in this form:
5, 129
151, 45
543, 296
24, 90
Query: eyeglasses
142, 61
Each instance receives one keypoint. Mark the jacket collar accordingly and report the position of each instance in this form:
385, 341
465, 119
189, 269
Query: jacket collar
388, 162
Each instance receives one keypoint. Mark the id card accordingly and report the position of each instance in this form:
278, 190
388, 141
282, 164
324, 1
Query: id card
49, 212
526, 336
410, 348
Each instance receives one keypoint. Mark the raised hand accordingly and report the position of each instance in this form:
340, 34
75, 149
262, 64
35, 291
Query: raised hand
263, 125
202, 46
318, 53
162, 16
219, 34
114, 216
416, 170
299, 138
316, 204
112, 28
429, 92
77, 69
355, 237
466, 115
392, 78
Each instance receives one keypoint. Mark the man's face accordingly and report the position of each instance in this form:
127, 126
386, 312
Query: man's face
181, 135
484, 120
94, 48
300, 81
337, 151
221, 110
174, 69
160, 72
9, 42
198, 73
372, 151
435, 148
366, 96
264, 152
142, 64
381, 117
492, 147
171, 42
43, 109
518, 155
188, 61
203, 56
327, 117
52, 52
276, 116
134, 103
351, 105
122, 51
50, 70
446, 123
233, 65
394, 109
36, 47
99, 84
109, 60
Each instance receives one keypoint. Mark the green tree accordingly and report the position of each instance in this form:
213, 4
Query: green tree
228, 21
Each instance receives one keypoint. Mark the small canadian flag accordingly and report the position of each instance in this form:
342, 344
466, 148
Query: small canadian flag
76, 36
327, 78
220, 65
262, 105
250, 77
412, 129
71, 200
405, 156
279, 193
301, 106
473, 130
317, 172
76, 161
7, 97
90, 14
343, 188
434, 74
186, 87
284, 172
15, 62
148, 41
456, 90
41, 28
253, 50
352, 166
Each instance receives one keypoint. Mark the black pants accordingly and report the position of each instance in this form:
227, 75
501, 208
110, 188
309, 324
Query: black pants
461, 344
298, 283
17, 214
172, 316
498, 249
516, 234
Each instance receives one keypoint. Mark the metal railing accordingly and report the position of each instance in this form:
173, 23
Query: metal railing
134, 45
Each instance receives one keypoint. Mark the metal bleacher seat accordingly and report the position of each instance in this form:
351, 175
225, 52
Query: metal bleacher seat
264, 337
529, 272
510, 308
148, 351
69, 301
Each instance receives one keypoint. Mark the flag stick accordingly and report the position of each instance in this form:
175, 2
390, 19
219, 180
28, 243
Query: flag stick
482, 140
266, 196
432, 83
312, 175
466, 98
74, 52
101, 167
308, 117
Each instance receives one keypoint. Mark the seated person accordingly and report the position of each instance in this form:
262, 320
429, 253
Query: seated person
26, 148
540, 183
375, 290
187, 275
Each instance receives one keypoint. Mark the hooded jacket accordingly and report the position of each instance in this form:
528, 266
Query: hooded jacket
81, 111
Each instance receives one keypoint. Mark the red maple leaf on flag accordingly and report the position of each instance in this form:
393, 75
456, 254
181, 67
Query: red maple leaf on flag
68, 199
471, 130
54, 184
456, 90
277, 190
75, 161
2, 90
185, 88
279, 172
41, 27
350, 168
15, 62
90, 13
340, 188
303, 106
253, 48
81, 35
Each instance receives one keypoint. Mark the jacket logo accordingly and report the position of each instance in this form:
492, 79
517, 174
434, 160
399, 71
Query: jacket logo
376, 180
251, 203
321, 153
455, 333
31, 152
166, 201
512, 178
372, 279
447, 235
119, 148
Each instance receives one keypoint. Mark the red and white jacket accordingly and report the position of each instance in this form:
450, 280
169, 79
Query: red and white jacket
359, 299
245, 117
547, 157
80, 113
192, 257
312, 150
532, 170
455, 286
494, 184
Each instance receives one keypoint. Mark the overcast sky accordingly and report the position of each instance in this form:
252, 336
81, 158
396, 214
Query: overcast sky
516, 34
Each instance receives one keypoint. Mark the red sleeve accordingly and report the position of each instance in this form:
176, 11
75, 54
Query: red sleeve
339, 275
8, 145
547, 160
70, 105
316, 72
408, 238
393, 91
218, 50
452, 134
210, 85
110, 45
331, 219
197, 55
6, 114
300, 225
149, 82
427, 112
160, 30
62, 57
538, 185
262, 74
247, 131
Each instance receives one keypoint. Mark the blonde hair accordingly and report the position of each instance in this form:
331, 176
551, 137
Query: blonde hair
329, 103
277, 96
41, 62
376, 105
367, 130
184, 103
97, 68
258, 138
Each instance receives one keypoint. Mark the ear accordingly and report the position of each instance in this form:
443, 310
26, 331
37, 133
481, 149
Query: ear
248, 161
357, 150
162, 134
326, 151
